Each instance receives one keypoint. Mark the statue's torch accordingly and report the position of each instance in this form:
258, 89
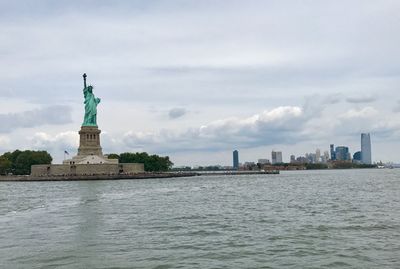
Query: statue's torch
84, 80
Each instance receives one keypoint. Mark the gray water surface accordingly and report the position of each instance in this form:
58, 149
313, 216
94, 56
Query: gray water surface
307, 219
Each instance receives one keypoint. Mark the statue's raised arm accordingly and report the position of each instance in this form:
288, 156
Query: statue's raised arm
91, 103
84, 80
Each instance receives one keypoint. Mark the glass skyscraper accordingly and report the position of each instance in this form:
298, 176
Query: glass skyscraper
342, 153
333, 154
357, 156
235, 159
366, 148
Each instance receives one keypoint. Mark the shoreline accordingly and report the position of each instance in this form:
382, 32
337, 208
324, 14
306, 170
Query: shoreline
28, 178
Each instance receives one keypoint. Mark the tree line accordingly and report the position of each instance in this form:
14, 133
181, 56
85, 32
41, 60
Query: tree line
152, 163
20, 162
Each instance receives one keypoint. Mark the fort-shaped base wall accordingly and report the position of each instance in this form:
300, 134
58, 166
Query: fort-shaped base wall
86, 169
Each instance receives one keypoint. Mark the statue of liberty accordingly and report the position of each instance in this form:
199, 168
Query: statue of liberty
91, 103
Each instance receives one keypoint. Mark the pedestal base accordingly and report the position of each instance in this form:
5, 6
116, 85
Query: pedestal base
89, 143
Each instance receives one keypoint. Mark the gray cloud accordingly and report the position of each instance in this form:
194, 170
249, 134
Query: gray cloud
176, 112
167, 48
397, 107
52, 115
362, 99
316, 104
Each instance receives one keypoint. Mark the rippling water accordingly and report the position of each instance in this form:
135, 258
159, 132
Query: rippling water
308, 219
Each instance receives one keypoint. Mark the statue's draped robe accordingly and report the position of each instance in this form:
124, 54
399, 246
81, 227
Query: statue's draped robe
91, 103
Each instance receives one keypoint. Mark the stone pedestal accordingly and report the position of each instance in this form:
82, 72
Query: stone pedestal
89, 143
89, 151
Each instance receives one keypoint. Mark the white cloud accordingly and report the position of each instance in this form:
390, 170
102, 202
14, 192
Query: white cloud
4, 142
62, 141
279, 125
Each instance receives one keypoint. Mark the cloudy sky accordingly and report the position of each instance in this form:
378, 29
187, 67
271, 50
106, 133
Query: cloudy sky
197, 79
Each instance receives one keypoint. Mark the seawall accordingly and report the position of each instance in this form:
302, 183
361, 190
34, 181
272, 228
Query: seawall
130, 176
96, 177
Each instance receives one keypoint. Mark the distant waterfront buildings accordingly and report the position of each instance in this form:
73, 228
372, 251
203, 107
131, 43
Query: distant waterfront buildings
249, 164
366, 148
342, 154
311, 158
263, 161
333, 156
276, 157
325, 157
235, 159
301, 159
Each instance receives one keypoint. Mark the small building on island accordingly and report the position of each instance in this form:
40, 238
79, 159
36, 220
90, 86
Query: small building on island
90, 159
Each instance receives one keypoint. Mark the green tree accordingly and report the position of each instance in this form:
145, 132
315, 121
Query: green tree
21, 161
12, 156
314, 166
342, 165
113, 156
152, 163
5, 165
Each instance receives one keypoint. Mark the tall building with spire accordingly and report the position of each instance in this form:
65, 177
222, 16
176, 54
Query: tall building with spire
366, 148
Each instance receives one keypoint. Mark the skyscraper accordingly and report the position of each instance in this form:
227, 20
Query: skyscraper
235, 159
333, 153
342, 154
317, 155
276, 157
326, 156
366, 148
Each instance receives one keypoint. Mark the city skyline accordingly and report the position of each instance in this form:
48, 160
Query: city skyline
338, 153
194, 81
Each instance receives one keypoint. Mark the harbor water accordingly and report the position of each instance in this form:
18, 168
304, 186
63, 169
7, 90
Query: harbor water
299, 219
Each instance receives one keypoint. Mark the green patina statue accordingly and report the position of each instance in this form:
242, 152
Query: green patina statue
91, 103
